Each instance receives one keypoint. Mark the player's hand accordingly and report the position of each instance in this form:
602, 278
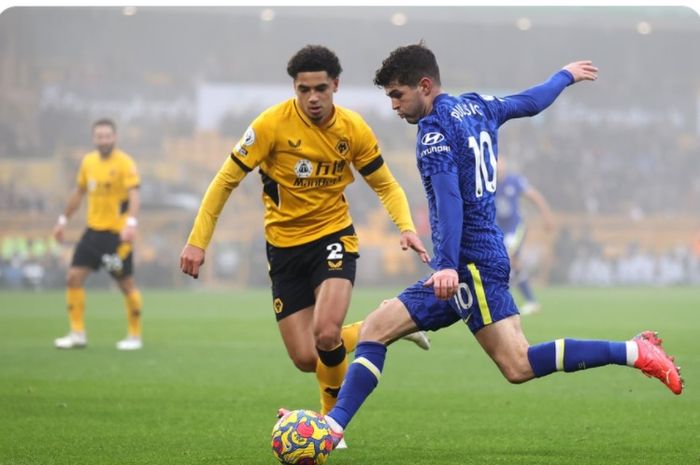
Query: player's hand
582, 70
445, 283
409, 239
58, 232
128, 234
191, 259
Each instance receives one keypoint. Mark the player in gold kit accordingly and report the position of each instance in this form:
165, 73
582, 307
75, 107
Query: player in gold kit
110, 179
304, 148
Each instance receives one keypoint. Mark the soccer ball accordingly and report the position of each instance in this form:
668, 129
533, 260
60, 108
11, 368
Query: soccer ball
302, 437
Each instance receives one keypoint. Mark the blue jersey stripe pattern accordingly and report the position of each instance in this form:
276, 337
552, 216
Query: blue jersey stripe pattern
460, 138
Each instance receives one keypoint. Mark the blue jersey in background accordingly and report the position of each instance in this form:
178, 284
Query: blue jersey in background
510, 189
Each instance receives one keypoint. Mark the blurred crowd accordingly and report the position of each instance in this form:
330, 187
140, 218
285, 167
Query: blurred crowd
583, 261
31, 263
612, 169
21, 198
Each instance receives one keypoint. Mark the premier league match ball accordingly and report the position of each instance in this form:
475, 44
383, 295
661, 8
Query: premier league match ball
302, 437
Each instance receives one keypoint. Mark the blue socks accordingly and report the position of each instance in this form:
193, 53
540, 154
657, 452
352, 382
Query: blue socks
361, 379
574, 355
546, 358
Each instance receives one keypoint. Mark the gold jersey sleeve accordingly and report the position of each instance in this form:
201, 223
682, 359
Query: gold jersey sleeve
226, 180
106, 182
249, 152
392, 197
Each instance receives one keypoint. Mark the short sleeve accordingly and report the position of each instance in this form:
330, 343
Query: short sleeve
131, 174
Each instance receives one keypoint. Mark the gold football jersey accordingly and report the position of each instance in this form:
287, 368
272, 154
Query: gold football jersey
107, 182
305, 169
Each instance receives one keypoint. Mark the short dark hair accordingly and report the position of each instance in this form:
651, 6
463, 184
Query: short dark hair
105, 122
407, 65
314, 58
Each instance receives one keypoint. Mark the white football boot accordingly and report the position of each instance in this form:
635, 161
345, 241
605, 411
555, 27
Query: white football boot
419, 338
73, 340
530, 308
130, 343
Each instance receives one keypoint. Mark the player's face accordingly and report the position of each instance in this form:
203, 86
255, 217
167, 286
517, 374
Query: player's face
104, 138
408, 102
314, 91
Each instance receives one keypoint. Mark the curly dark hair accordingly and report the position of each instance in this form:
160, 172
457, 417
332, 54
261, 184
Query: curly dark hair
314, 58
407, 65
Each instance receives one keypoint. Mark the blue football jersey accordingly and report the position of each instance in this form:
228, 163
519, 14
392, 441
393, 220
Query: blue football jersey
460, 138
510, 189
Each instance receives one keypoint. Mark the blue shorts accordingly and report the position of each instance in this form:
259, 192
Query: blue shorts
483, 298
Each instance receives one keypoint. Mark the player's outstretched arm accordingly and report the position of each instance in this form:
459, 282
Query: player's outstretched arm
536, 99
582, 70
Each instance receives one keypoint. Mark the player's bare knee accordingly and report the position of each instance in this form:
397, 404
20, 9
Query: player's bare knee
304, 362
127, 285
327, 338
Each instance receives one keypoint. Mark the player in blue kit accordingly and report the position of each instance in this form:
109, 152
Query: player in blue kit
511, 188
457, 156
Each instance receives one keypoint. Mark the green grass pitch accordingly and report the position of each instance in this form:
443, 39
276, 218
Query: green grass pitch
213, 372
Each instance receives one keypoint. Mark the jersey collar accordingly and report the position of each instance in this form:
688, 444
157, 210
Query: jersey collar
308, 122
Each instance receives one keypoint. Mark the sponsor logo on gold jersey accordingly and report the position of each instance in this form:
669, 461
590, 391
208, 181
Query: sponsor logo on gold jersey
303, 168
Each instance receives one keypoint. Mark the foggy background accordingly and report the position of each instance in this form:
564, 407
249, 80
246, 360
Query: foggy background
617, 159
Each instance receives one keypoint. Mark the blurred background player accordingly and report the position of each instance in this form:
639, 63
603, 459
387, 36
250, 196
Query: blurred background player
110, 179
511, 187
304, 148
